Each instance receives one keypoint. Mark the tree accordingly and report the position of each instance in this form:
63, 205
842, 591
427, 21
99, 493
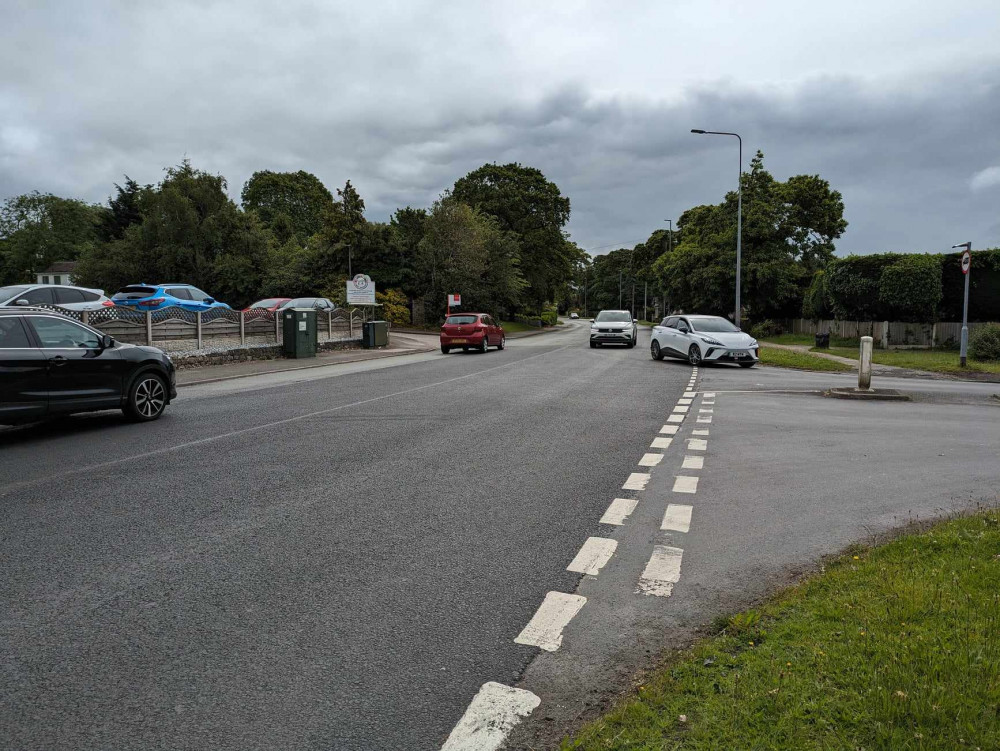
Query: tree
524, 202
123, 210
38, 229
288, 202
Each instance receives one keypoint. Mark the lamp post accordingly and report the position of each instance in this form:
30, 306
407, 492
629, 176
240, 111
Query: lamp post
967, 270
739, 213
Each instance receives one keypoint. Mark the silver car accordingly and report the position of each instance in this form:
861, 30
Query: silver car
613, 327
65, 296
703, 339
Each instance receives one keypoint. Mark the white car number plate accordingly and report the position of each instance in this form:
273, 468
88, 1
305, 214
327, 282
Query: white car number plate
740, 354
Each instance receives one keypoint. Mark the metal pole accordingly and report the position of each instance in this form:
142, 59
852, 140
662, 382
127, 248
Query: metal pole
964, 350
865, 365
739, 234
645, 299
619, 289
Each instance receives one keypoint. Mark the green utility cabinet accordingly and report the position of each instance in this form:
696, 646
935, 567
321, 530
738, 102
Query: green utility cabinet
298, 332
374, 334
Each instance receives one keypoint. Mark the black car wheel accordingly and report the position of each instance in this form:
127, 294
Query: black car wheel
485, 346
694, 354
654, 350
503, 342
147, 398
445, 349
593, 345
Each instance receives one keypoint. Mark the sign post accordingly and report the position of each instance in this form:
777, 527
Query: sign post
360, 290
966, 268
454, 300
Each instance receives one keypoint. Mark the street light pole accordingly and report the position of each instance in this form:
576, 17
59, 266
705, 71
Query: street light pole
964, 349
739, 214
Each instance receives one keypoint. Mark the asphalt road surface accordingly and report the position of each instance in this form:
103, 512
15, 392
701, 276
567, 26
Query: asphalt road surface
434, 549
319, 559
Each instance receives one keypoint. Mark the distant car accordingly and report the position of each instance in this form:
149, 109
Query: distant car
613, 327
158, 296
471, 331
271, 304
319, 303
703, 339
573, 316
51, 364
65, 296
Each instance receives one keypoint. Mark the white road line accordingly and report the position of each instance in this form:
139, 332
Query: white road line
684, 401
681, 408
544, 630
650, 460
690, 394
707, 404
596, 551
677, 518
660, 443
675, 418
618, 511
706, 411
693, 462
709, 394
636, 481
707, 418
493, 712
697, 444
702, 431
669, 429
662, 572
685, 484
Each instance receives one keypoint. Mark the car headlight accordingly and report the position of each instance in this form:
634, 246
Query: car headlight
593, 327
710, 340
753, 342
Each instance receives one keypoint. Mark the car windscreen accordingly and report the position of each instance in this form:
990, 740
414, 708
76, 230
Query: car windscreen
134, 293
460, 320
613, 316
7, 293
718, 325
267, 303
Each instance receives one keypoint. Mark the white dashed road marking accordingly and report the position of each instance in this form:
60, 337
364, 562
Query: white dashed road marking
709, 395
702, 431
650, 460
706, 411
618, 511
662, 572
693, 462
636, 481
492, 714
706, 418
660, 443
675, 418
690, 394
596, 551
544, 630
707, 404
681, 408
684, 401
677, 518
669, 430
685, 484
697, 444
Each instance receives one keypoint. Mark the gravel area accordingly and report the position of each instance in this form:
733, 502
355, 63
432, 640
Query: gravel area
180, 348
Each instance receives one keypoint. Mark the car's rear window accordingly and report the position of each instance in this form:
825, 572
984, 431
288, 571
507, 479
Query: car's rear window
8, 292
461, 320
134, 293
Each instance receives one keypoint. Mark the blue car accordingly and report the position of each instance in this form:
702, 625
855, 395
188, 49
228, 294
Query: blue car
145, 297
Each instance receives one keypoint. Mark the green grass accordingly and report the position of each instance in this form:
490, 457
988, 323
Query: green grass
894, 647
785, 358
513, 327
935, 360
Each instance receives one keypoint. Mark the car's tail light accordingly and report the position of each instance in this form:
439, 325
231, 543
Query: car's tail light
152, 303
108, 304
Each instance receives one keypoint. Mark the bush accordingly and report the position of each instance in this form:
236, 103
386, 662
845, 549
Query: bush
984, 344
394, 306
816, 303
766, 329
550, 317
910, 289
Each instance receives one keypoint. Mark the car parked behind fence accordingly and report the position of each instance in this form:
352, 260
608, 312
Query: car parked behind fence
65, 296
158, 296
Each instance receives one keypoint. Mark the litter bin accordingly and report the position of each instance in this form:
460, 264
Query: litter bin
823, 340
374, 334
298, 332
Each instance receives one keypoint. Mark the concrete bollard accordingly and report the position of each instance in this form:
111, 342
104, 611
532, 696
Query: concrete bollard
865, 366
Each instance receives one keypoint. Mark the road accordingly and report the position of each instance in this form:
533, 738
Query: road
343, 557
319, 559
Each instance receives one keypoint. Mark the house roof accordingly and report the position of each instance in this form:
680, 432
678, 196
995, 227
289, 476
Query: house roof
61, 267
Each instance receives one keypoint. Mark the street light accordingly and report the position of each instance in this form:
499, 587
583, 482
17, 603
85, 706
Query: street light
963, 351
739, 213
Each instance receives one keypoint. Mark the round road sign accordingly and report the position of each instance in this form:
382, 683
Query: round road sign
966, 262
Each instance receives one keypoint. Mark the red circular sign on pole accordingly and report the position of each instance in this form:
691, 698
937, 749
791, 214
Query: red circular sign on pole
966, 262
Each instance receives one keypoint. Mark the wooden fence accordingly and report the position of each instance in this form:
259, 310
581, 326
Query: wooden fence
887, 334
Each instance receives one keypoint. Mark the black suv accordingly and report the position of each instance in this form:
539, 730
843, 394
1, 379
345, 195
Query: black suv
51, 364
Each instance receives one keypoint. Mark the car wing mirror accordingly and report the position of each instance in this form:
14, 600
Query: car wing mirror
22, 301
107, 341
208, 300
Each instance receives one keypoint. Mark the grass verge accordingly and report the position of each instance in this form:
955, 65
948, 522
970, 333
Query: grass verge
785, 358
895, 647
514, 327
934, 360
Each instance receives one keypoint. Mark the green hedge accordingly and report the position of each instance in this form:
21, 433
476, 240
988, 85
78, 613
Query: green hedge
984, 344
885, 287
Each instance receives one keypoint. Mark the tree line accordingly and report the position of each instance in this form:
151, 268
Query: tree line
497, 237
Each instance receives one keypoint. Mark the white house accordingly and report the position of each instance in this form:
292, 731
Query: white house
60, 272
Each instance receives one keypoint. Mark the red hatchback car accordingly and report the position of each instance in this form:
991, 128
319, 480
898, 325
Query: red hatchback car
471, 331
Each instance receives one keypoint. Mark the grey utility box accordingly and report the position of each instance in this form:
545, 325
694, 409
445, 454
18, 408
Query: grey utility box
298, 332
374, 334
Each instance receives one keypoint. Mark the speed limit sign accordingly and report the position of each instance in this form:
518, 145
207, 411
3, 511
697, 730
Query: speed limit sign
966, 262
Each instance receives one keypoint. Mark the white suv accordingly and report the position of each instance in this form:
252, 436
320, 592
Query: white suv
70, 298
703, 339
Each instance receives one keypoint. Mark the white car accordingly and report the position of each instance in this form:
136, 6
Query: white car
63, 295
703, 339
574, 316
613, 327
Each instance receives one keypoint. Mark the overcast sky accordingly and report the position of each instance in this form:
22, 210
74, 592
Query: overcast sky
895, 102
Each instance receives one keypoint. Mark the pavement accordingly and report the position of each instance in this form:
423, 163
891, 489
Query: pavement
396, 553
